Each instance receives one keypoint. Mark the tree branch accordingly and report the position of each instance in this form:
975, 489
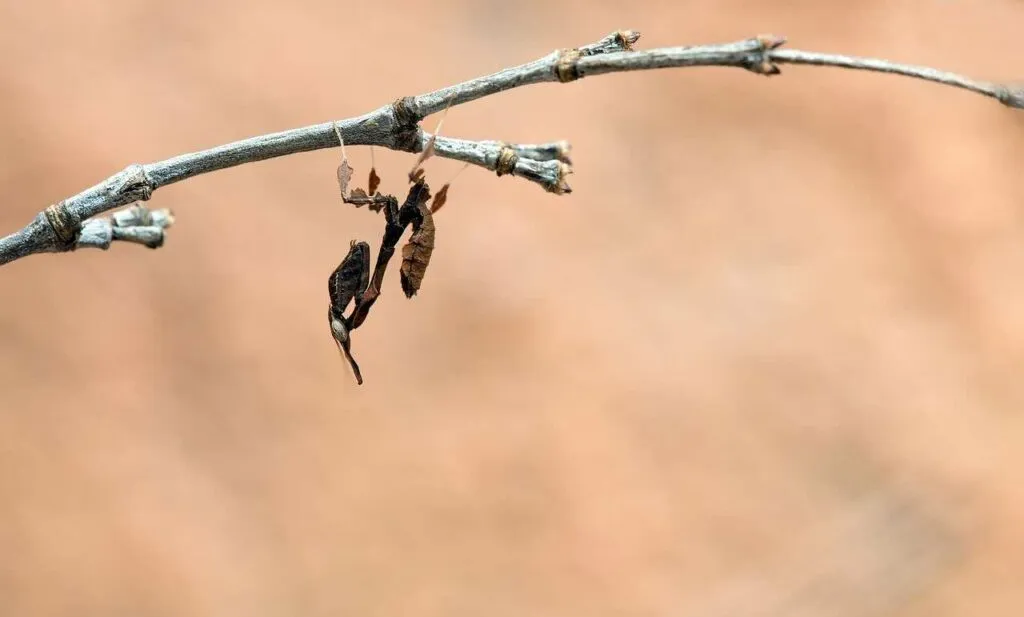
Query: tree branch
65, 225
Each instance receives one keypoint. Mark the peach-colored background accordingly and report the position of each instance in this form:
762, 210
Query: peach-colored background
765, 360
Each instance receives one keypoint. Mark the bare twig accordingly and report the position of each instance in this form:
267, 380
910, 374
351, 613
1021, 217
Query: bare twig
61, 226
545, 164
136, 224
1007, 95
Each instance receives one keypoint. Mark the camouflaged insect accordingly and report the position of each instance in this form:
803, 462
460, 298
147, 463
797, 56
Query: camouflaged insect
351, 282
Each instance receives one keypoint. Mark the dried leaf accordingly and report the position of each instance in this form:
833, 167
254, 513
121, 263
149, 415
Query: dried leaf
374, 181
344, 170
416, 253
439, 199
344, 177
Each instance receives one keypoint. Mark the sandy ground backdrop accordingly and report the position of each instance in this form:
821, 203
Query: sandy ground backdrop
765, 360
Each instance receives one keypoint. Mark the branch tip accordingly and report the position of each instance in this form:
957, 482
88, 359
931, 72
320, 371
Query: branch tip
563, 149
620, 40
627, 38
136, 224
561, 187
1011, 96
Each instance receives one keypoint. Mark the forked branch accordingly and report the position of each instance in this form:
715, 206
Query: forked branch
66, 225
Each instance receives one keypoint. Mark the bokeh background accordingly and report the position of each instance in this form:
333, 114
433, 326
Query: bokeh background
764, 360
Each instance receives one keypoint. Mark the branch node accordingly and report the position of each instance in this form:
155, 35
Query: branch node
136, 185
760, 62
566, 69
409, 139
769, 42
405, 116
507, 159
406, 130
65, 225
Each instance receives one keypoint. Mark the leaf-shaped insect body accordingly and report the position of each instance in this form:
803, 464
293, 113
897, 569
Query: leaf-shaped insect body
416, 253
351, 277
351, 281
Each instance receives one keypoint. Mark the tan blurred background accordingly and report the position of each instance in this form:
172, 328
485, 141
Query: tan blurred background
765, 360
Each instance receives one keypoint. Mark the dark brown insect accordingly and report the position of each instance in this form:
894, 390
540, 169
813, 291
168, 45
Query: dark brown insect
351, 281
348, 280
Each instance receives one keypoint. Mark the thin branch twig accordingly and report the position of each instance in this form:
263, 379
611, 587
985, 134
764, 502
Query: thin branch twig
61, 226
136, 224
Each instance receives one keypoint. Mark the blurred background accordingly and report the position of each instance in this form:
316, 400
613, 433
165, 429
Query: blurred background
764, 360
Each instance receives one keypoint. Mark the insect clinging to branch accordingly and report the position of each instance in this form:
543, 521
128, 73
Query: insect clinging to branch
351, 281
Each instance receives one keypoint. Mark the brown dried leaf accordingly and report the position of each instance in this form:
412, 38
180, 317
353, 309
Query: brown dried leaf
439, 199
344, 177
374, 181
344, 170
416, 253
